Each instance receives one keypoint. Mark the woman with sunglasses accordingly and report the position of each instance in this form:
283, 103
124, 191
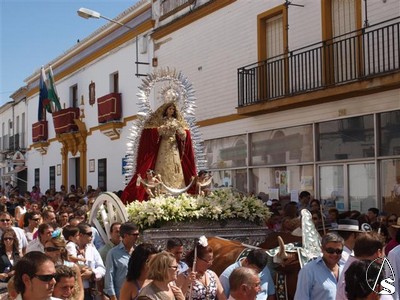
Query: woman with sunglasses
55, 249
202, 283
9, 255
137, 271
163, 270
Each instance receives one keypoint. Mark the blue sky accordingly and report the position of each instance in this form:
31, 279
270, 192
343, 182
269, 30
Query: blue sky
34, 32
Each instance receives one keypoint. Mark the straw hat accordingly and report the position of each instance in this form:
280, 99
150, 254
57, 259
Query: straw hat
351, 225
397, 225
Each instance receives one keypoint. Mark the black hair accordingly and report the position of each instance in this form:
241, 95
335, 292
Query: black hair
174, 242
360, 277
29, 265
137, 260
127, 227
258, 257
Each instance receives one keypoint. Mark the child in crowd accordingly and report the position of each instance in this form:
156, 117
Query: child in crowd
71, 235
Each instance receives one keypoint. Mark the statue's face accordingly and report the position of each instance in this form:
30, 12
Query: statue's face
170, 111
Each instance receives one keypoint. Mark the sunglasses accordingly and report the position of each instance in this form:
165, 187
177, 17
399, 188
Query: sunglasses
207, 261
51, 249
392, 221
133, 234
8, 239
45, 278
5, 220
87, 233
332, 251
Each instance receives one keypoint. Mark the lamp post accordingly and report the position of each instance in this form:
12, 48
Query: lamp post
87, 13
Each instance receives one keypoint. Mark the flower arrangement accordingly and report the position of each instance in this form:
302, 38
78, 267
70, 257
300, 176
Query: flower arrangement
221, 205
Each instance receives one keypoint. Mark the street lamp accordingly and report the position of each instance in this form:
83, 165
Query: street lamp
87, 13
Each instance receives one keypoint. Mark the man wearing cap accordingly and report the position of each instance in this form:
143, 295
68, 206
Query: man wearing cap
394, 259
367, 246
348, 230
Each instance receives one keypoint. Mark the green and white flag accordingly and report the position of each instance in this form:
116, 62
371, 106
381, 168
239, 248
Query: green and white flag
52, 93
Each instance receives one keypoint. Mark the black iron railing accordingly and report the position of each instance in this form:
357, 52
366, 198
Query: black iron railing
169, 5
355, 56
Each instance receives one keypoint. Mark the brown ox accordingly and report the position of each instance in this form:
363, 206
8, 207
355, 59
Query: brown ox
226, 252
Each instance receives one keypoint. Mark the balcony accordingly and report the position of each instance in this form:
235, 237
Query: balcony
109, 108
64, 120
359, 56
39, 131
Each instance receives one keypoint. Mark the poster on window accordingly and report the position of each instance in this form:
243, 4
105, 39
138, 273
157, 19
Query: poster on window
283, 182
307, 183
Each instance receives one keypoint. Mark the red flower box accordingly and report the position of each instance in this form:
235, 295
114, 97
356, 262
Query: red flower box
109, 107
39, 131
64, 120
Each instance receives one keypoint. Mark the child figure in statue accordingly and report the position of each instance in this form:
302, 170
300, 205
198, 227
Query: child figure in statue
151, 184
203, 182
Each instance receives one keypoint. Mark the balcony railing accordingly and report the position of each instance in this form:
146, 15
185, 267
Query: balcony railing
169, 5
358, 55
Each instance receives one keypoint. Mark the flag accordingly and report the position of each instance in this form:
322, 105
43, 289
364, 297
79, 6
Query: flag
52, 93
43, 95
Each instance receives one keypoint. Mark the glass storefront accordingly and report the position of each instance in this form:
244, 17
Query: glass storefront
346, 163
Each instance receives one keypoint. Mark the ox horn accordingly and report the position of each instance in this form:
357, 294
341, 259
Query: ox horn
282, 253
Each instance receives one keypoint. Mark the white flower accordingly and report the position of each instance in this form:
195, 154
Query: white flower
220, 205
203, 241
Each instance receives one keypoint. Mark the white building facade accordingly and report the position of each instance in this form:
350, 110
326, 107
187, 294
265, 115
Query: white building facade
291, 97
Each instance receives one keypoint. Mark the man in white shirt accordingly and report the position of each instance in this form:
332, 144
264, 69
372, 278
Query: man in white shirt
348, 229
368, 246
95, 269
6, 222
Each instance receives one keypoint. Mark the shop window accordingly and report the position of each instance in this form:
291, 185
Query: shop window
227, 152
286, 145
349, 138
389, 133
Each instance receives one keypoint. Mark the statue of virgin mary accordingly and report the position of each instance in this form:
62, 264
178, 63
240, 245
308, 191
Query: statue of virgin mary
165, 146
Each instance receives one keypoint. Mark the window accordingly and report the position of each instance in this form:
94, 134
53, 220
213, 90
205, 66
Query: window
340, 17
272, 45
227, 152
346, 138
390, 185
114, 83
280, 182
389, 133
37, 177
74, 96
102, 174
281, 146
52, 177
23, 130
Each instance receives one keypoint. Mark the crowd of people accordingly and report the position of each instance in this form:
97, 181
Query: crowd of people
49, 251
